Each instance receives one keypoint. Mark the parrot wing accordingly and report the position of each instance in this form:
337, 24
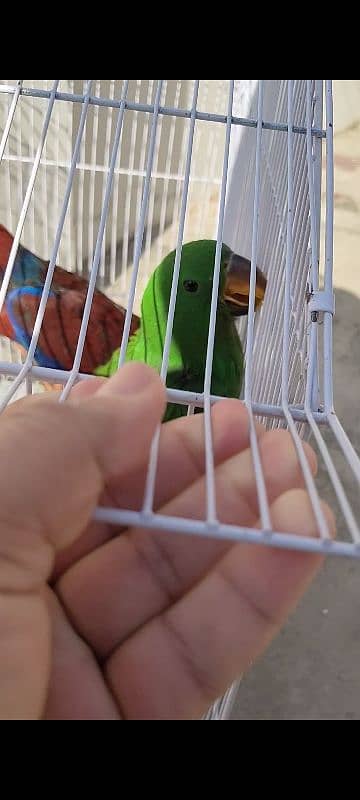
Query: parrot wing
64, 312
61, 326
30, 270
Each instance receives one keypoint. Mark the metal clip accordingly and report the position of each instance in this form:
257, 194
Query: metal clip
321, 303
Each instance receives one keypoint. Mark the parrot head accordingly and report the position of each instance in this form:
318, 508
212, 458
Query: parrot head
194, 297
196, 283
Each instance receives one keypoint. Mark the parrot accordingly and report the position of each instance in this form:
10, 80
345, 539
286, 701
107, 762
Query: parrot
62, 322
187, 362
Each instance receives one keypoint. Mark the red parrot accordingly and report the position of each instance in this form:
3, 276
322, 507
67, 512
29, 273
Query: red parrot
64, 312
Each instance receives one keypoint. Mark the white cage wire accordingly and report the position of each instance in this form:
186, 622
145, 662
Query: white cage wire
107, 176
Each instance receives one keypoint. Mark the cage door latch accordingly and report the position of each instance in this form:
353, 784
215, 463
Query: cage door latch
321, 303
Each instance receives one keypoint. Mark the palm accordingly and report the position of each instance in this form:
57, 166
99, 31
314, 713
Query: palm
147, 625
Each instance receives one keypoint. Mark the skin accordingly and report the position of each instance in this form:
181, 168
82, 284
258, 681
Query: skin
98, 623
95, 625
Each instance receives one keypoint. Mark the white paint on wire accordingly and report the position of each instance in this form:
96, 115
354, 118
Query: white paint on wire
255, 450
128, 199
227, 533
267, 384
92, 182
329, 250
101, 169
313, 353
169, 157
305, 228
310, 166
209, 441
141, 228
154, 455
328, 461
215, 146
81, 227
346, 446
26, 369
275, 246
13, 253
166, 111
222, 710
97, 255
180, 242
309, 480
58, 376
10, 120
153, 190
44, 191
143, 160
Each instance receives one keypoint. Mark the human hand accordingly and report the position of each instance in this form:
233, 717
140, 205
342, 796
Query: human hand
102, 624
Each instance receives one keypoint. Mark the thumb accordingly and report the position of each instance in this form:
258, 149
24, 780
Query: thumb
55, 463
57, 459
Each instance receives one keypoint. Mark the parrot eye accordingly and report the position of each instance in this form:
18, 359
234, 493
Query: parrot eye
191, 286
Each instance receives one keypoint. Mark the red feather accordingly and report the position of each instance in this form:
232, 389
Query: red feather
63, 317
6, 241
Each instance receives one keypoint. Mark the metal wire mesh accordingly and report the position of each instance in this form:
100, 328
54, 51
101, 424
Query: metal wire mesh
106, 177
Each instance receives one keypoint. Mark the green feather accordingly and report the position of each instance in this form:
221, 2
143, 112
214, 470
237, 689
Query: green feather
191, 328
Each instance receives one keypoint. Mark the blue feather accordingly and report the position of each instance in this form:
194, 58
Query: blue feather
21, 335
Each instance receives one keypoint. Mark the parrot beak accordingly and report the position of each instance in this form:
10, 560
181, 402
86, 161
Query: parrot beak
237, 286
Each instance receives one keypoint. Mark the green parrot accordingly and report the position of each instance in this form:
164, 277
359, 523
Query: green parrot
191, 322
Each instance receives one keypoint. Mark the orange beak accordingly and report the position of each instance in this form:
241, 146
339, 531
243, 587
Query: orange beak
237, 286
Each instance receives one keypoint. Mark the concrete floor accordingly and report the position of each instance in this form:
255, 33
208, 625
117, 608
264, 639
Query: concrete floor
312, 672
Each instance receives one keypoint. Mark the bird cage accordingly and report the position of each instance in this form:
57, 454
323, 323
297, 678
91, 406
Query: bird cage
106, 177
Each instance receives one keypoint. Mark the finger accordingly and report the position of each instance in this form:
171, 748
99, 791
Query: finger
162, 566
83, 390
62, 447
58, 460
182, 454
96, 534
180, 663
181, 463
86, 389
77, 690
